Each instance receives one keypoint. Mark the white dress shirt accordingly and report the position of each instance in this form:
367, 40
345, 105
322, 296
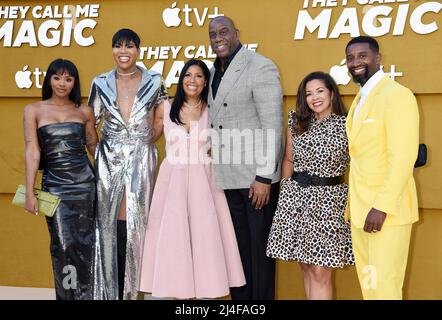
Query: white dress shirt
366, 89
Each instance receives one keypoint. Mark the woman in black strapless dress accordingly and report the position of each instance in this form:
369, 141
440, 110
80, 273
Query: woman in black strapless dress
57, 130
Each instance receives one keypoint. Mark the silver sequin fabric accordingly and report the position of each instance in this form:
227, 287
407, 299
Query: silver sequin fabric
125, 161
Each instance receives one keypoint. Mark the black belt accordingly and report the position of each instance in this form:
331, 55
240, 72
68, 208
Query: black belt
305, 180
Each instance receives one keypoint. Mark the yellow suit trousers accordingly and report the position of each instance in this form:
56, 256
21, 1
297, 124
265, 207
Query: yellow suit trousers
381, 260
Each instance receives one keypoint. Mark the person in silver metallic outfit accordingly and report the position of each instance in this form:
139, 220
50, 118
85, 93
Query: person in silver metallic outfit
124, 100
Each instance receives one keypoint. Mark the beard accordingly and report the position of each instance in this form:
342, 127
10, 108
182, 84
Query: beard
360, 78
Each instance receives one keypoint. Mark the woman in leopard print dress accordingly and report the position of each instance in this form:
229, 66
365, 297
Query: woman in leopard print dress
309, 225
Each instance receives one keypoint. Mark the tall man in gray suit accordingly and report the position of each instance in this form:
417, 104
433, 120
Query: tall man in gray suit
245, 109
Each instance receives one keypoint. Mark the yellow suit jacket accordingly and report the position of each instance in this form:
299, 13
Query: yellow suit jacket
383, 144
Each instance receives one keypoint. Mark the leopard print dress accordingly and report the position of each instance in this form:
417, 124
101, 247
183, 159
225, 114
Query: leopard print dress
309, 223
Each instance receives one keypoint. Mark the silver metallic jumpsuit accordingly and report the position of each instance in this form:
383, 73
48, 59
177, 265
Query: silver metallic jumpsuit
125, 161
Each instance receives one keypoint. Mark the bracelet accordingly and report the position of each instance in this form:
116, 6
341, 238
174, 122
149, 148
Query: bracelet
283, 179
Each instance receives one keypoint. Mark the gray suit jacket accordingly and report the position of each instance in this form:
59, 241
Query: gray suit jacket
247, 121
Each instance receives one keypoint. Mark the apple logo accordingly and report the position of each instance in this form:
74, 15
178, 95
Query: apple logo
170, 16
23, 78
340, 73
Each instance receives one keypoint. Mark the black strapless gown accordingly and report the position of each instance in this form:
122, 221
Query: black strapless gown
68, 173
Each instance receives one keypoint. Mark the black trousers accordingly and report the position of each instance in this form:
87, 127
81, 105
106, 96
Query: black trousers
252, 229
121, 256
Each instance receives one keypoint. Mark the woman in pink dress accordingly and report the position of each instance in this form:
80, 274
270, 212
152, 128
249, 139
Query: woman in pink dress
190, 248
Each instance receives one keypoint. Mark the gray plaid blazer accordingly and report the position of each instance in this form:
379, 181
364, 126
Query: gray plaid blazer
247, 121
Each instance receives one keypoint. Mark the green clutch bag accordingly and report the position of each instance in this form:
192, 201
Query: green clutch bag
47, 202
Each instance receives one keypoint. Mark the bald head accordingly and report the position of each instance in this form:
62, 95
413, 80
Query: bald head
225, 19
224, 37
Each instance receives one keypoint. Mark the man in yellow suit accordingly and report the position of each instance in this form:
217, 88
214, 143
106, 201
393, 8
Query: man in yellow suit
383, 130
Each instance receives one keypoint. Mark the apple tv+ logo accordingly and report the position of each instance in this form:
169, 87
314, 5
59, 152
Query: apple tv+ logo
171, 16
23, 78
339, 73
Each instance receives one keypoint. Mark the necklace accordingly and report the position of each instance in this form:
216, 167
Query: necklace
127, 96
125, 90
126, 93
192, 107
127, 74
